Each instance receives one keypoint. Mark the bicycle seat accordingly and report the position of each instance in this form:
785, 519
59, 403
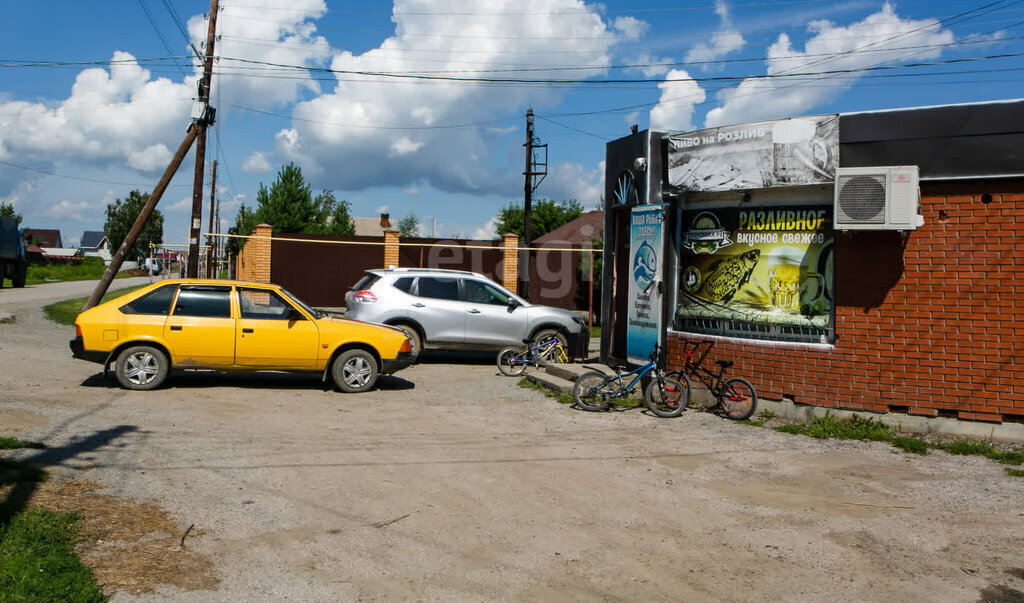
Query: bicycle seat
724, 363
527, 341
618, 368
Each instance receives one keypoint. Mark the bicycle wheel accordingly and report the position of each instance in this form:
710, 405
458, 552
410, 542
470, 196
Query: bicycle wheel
591, 391
669, 400
512, 362
738, 399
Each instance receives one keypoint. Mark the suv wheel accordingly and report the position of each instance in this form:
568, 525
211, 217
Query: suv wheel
414, 338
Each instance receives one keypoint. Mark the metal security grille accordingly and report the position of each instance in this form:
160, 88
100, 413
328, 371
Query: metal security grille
746, 330
861, 199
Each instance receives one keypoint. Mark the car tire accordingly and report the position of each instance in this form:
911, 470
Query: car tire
141, 367
546, 333
354, 371
415, 342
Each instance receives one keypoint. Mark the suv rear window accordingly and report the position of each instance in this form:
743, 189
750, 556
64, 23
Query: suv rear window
155, 302
404, 284
366, 282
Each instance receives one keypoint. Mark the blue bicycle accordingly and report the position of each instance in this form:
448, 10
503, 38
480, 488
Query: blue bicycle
665, 396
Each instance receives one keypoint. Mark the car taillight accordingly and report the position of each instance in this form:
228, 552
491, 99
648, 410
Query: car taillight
364, 295
405, 346
78, 330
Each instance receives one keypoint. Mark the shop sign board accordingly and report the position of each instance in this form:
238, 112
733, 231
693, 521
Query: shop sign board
765, 273
756, 155
645, 293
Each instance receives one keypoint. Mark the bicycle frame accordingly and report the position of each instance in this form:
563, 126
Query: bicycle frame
640, 371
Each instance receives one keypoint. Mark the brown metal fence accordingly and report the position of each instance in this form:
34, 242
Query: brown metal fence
321, 273
453, 254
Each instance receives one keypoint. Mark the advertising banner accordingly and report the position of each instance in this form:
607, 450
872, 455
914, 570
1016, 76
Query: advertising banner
755, 155
645, 293
764, 273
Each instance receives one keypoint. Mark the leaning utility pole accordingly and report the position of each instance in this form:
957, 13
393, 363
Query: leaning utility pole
534, 168
202, 116
205, 119
209, 239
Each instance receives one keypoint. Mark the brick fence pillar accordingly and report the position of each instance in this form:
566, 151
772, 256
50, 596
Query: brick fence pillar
510, 262
256, 255
391, 239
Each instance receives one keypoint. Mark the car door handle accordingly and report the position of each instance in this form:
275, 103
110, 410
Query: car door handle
176, 328
247, 330
418, 305
474, 311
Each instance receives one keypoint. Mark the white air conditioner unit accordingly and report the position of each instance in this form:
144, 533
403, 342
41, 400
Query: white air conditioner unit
878, 198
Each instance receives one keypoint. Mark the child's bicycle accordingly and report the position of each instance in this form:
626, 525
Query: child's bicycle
735, 397
665, 396
512, 361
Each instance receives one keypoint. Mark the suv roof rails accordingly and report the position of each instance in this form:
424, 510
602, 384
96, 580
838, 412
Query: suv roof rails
437, 270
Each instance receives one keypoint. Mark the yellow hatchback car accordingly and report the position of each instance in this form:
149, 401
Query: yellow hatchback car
232, 325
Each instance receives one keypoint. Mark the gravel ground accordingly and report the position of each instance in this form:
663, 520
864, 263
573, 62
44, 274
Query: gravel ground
450, 482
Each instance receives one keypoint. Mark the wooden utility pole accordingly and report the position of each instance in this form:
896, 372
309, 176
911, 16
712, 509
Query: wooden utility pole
204, 120
210, 272
534, 168
140, 222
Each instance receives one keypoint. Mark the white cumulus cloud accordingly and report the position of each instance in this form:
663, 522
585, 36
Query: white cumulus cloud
369, 130
724, 41
256, 164
675, 107
879, 39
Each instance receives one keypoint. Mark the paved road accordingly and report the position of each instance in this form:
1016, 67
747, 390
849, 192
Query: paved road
36, 295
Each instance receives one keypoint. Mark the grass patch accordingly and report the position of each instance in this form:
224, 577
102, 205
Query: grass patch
974, 447
88, 269
754, 422
857, 428
14, 443
911, 445
65, 312
562, 398
37, 559
766, 415
1014, 472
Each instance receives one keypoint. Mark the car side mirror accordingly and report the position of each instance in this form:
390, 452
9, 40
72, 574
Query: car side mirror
513, 304
295, 315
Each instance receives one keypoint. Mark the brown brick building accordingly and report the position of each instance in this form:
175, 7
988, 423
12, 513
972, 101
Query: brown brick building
923, 320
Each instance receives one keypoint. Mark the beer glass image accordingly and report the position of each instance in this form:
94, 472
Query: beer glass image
788, 285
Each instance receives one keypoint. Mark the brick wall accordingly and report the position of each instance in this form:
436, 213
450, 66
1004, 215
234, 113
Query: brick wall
253, 263
930, 324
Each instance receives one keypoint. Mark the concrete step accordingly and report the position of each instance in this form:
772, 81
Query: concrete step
551, 382
570, 372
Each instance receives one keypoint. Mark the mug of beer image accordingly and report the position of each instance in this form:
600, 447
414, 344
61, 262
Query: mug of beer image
788, 284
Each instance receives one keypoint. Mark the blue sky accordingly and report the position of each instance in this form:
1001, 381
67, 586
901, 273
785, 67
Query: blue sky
428, 130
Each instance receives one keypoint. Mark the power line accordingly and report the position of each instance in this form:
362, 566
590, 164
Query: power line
159, 34
55, 174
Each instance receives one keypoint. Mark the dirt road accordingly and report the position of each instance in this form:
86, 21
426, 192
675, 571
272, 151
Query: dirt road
452, 483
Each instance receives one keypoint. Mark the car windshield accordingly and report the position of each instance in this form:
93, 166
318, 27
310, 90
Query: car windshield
302, 305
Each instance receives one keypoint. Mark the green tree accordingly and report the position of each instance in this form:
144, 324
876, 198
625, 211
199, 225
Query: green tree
121, 216
333, 217
288, 205
7, 211
545, 216
409, 226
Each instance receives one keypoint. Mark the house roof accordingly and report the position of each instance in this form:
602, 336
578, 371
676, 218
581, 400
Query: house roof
373, 227
92, 239
47, 238
579, 231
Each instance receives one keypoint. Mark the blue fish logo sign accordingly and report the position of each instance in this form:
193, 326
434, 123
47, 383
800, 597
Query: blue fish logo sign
644, 262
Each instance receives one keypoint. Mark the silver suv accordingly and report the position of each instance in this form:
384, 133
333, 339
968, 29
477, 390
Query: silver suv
453, 309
